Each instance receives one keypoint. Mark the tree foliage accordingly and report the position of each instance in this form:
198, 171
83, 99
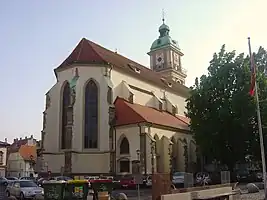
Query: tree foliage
223, 114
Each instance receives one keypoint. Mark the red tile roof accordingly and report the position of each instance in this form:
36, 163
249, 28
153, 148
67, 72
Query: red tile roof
84, 53
14, 147
184, 119
128, 113
28, 152
88, 52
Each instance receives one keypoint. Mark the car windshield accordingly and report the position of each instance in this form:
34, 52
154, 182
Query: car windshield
12, 178
27, 184
178, 174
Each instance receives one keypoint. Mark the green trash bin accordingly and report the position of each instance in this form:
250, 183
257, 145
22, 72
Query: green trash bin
54, 190
76, 189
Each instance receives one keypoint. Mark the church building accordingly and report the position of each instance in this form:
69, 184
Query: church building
106, 112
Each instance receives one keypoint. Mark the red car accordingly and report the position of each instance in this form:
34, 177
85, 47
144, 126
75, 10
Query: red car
128, 182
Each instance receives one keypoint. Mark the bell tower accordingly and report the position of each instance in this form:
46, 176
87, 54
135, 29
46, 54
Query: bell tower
165, 56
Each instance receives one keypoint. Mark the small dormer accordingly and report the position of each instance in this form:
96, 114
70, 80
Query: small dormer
137, 70
125, 92
169, 106
134, 68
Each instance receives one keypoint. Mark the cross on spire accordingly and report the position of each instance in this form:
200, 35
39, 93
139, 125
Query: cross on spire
163, 16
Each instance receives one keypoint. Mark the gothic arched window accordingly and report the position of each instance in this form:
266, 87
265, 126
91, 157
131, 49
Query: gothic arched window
124, 147
1, 157
65, 107
91, 115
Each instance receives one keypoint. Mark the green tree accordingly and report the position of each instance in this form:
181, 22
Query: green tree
223, 115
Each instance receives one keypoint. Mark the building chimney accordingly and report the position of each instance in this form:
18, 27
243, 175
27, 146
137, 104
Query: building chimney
31, 136
5, 140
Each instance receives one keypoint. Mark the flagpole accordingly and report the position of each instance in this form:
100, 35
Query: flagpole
259, 123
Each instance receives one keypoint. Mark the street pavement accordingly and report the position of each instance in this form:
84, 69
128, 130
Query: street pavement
145, 194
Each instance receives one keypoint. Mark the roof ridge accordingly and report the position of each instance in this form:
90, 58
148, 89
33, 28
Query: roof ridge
82, 43
89, 42
116, 54
132, 61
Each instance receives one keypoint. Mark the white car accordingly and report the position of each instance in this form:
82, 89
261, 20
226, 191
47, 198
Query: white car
24, 189
178, 178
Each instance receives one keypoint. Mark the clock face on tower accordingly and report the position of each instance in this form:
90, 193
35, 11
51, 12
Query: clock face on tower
159, 59
176, 58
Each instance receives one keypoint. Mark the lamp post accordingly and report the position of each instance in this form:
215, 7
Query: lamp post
139, 171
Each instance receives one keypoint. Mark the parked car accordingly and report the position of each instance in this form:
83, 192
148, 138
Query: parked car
30, 178
11, 178
178, 179
24, 189
128, 182
3, 180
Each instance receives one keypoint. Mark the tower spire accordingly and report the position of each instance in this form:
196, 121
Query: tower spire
163, 16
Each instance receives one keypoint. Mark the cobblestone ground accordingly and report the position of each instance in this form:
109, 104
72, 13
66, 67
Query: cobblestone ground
253, 196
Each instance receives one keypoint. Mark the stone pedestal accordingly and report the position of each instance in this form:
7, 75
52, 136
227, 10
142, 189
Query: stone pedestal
161, 185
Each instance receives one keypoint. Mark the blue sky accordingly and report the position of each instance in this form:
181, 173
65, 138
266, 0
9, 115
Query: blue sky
36, 36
